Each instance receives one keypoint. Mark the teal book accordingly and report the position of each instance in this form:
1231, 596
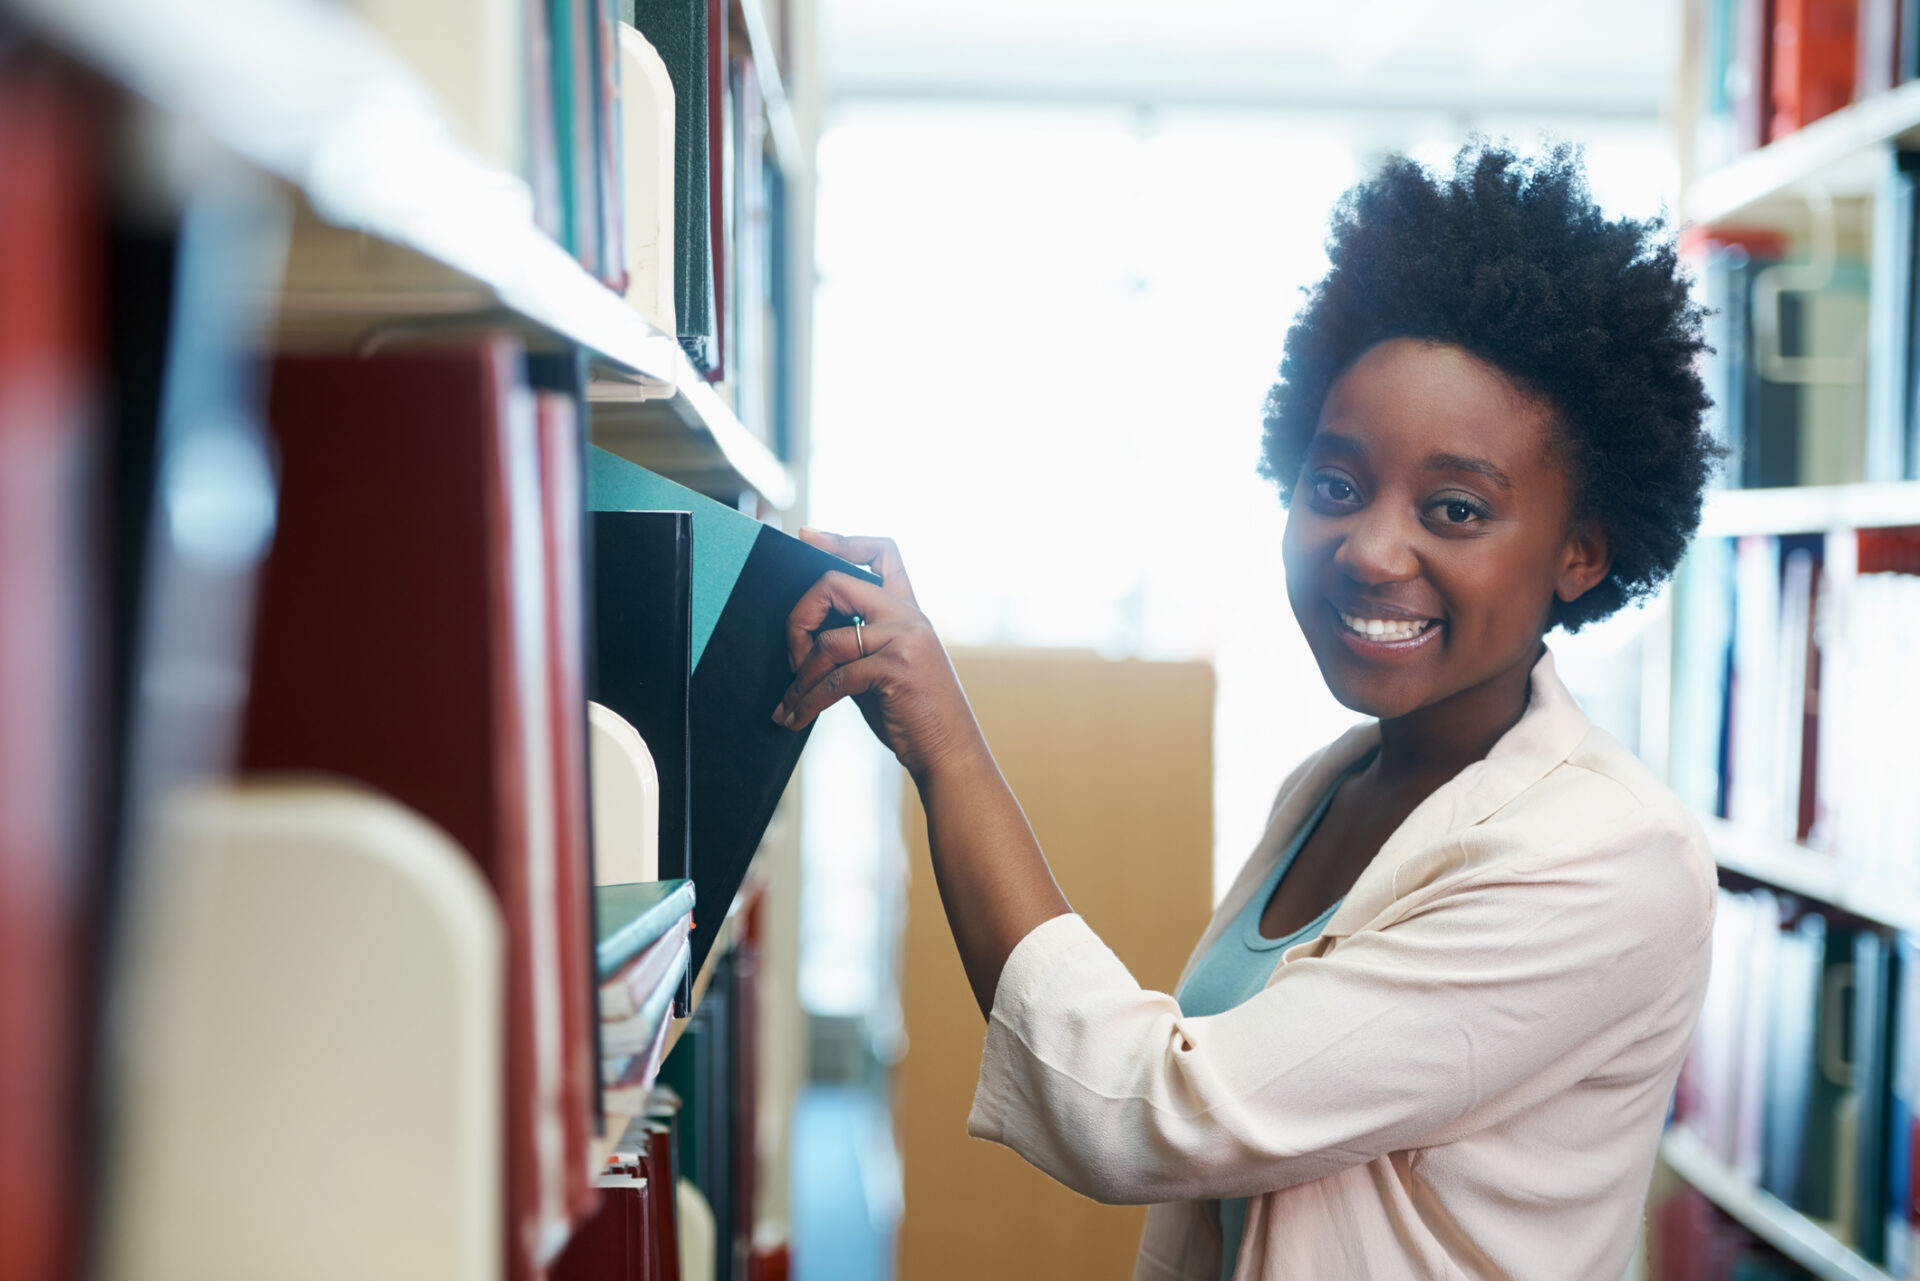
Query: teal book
746, 579
627, 919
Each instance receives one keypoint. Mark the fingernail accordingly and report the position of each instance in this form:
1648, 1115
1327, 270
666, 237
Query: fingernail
780, 714
792, 716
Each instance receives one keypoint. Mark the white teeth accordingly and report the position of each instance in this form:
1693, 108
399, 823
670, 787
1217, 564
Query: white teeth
1385, 628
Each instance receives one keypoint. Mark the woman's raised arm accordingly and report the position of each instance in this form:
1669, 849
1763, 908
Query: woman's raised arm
993, 879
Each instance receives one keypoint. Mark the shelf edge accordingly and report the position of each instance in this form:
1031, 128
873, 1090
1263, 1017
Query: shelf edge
1773, 1221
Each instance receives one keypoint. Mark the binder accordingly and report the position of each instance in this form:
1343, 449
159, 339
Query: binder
745, 579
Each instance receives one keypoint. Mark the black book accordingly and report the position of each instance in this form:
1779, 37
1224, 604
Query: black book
678, 30
642, 645
746, 579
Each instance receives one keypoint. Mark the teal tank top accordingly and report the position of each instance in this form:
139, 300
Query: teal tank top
1238, 966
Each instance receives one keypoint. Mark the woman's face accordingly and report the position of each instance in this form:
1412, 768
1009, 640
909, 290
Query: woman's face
1429, 530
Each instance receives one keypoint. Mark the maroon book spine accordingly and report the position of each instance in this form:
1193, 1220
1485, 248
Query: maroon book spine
562, 517
393, 646
51, 678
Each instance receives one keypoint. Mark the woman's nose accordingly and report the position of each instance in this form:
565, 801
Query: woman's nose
1377, 548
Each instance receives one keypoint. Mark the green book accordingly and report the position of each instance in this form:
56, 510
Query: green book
626, 918
678, 29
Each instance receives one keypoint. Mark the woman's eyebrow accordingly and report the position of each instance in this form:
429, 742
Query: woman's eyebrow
1477, 466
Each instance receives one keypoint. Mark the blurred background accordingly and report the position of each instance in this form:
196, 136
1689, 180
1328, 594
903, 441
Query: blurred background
1059, 248
355, 758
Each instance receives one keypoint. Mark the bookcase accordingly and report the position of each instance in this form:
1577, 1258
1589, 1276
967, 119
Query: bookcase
1777, 683
309, 315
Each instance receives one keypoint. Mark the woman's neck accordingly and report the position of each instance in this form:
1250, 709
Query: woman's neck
1425, 747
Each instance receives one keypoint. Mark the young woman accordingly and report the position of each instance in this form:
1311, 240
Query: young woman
1433, 1027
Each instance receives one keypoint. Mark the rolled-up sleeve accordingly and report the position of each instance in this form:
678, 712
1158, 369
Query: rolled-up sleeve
1494, 991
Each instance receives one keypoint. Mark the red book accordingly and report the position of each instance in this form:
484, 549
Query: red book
51, 237
1814, 61
663, 1181
400, 642
563, 516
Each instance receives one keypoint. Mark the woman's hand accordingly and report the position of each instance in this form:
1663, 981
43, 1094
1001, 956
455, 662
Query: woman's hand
993, 880
892, 666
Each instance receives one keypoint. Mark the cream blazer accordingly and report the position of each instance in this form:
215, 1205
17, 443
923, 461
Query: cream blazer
1464, 1076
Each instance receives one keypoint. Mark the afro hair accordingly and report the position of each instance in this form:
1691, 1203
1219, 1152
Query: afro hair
1510, 259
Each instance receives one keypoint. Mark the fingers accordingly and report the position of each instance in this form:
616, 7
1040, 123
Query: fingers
798, 709
835, 647
835, 593
879, 554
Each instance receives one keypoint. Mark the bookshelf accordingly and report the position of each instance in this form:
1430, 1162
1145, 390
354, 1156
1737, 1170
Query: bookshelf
302, 261
302, 91
1767, 649
1838, 155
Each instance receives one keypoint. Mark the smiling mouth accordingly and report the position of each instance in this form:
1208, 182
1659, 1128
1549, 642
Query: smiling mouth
1385, 629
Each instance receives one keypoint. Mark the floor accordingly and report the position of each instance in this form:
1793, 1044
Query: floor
846, 1185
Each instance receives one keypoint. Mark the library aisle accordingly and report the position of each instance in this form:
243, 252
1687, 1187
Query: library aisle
406, 407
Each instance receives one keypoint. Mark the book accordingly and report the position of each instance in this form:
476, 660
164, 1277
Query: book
626, 802
636, 1031
1831, 1148
401, 642
1890, 357
678, 30
719, 190
647, 141
562, 522
54, 658
628, 991
643, 657
1791, 1057
1749, 72
1814, 62
1758, 982
1874, 999
1903, 1093
628, 918
746, 579
610, 263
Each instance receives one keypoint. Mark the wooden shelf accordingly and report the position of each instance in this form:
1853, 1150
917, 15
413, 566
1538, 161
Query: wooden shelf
1801, 1239
1842, 154
1811, 874
1811, 509
401, 229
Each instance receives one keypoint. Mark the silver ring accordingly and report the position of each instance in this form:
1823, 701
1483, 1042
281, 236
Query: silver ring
859, 638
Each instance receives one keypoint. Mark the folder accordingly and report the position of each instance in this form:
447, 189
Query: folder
746, 578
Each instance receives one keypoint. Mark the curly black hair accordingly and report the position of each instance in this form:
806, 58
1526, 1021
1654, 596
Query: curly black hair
1510, 259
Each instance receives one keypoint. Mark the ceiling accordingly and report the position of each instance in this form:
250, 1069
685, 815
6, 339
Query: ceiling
1604, 57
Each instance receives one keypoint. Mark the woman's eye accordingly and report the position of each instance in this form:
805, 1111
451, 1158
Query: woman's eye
1333, 489
1458, 511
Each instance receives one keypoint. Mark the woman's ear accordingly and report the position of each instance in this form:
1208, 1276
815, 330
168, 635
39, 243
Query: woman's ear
1584, 561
